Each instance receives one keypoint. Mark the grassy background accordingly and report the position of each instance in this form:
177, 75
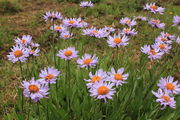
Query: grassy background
135, 101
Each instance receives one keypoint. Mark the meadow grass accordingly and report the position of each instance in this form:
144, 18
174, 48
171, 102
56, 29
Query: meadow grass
133, 101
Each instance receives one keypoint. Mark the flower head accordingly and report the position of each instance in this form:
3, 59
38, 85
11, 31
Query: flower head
66, 35
118, 78
86, 4
164, 98
178, 40
127, 21
129, 31
100, 75
169, 85
34, 51
88, 61
176, 21
18, 53
140, 18
58, 28
156, 23
102, 90
68, 53
25, 40
49, 75
74, 22
117, 40
152, 7
51, 16
35, 90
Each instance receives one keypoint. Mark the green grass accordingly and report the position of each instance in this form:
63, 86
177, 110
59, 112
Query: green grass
133, 101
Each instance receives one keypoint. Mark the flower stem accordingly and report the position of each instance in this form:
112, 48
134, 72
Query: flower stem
22, 77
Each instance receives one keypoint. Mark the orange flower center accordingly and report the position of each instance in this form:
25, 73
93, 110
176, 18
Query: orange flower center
95, 79
87, 61
167, 34
163, 39
94, 32
154, 7
32, 51
166, 98
18, 53
118, 77
66, 36
170, 86
153, 52
49, 77
103, 90
117, 40
156, 21
33, 88
162, 46
71, 22
23, 41
126, 30
128, 21
58, 28
68, 53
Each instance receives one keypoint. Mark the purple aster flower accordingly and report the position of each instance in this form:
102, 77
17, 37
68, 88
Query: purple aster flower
140, 18
156, 23
127, 21
102, 90
19, 53
176, 21
169, 85
68, 53
164, 98
117, 40
66, 35
51, 16
35, 90
74, 22
118, 78
152, 7
178, 40
25, 40
153, 53
49, 75
100, 75
129, 31
88, 61
58, 28
33, 51
86, 4
162, 47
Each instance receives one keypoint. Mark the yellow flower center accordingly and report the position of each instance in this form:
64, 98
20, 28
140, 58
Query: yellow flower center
118, 77
94, 32
170, 86
66, 36
117, 40
162, 46
18, 53
49, 77
23, 41
68, 53
154, 7
126, 30
103, 90
153, 52
166, 98
71, 22
58, 28
33, 88
95, 79
163, 39
87, 61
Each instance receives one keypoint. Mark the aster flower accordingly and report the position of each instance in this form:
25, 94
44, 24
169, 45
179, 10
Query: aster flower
19, 53
109, 29
100, 75
152, 7
169, 85
86, 4
66, 35
153, 53
102, 90
162, 47
68, 53
58, 28
118, 78
156, 23
25, 40
164, 99
35, 90
140, 18
34, 51
88, 61
127, 21
74, 22
176, 21
49, 75
129, 31
51, 16
178, 40
34, 45
117, 40
163, 39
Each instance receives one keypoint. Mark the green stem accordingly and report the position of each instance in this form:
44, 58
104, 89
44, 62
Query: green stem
22, 97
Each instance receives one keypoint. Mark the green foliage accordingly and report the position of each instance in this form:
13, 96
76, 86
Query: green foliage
7, 7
